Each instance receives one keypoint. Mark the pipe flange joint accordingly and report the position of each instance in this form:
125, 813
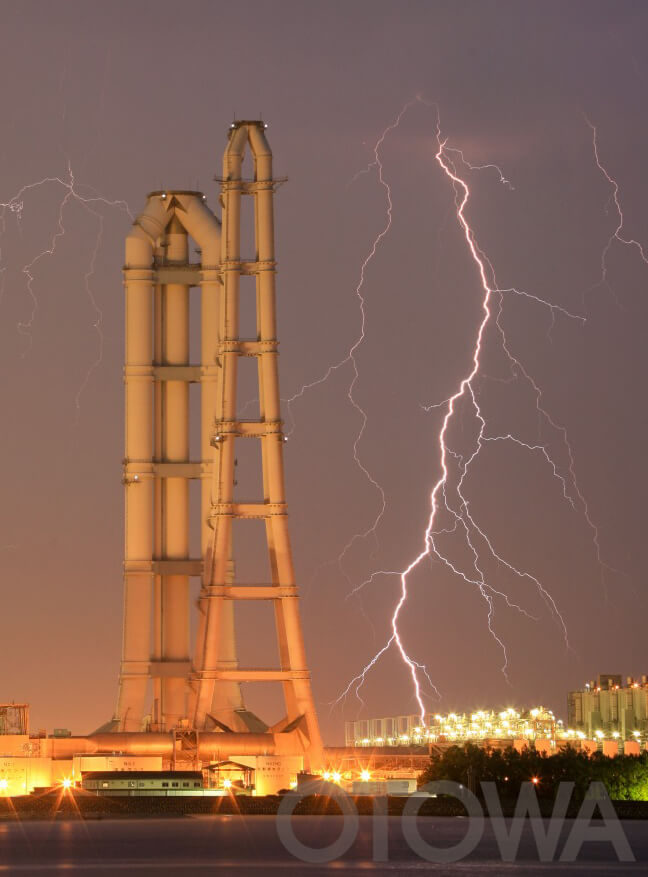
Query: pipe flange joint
144, 372
225, 427
135, 274
232, 345
266, 265
222, 510
269, 346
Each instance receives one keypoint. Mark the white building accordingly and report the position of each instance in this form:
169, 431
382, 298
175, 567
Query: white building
606, 707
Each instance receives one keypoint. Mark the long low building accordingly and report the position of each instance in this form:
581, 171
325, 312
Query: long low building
143, 783
537, 723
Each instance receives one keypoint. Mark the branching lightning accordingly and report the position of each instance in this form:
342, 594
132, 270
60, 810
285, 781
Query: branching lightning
350, 357
614, 198
448, 498
480, 167
454, 469
453, 466
439, 494
15, 206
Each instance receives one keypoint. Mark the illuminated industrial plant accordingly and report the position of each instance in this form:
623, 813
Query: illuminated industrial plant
203, 692
181, 705
538, 726
537, 723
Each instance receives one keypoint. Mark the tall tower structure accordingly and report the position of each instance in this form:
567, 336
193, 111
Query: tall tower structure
158, 275
210, 668
162, 688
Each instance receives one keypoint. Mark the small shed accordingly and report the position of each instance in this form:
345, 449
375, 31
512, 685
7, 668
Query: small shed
230, 775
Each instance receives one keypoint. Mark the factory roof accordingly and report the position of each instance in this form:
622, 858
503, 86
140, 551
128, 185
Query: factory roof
141, 774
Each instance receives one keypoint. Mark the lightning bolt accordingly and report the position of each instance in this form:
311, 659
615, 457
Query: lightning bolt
465, 387
561, 430
454, 467
480, 167
15, 207
350, 357
454, 464
376, 165
614, 198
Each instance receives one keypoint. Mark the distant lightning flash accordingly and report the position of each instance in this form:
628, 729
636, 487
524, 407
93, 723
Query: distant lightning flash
350, 357
454, 464
15, 206
614, 197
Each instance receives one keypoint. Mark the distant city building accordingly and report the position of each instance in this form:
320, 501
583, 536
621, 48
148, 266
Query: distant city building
606, 707
537, 723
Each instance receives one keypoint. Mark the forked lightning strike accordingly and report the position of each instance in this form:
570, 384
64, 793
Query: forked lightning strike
16, 206
450, 461
429, 543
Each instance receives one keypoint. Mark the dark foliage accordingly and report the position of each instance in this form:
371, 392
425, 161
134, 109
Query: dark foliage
625, 777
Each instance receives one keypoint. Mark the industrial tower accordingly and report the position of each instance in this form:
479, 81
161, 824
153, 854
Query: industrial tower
162, 687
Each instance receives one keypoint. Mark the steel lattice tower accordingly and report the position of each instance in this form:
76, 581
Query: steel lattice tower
203, 693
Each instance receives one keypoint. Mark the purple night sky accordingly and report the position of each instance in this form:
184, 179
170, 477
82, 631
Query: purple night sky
138, 96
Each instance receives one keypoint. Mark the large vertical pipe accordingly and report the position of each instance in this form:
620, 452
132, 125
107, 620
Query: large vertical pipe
216, 645
136, 648
138, 475
175, 490
210, 367
157, 723
203, 226
227, 697
209, 301
297, 692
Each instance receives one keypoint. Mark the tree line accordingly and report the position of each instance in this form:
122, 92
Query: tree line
625, 777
